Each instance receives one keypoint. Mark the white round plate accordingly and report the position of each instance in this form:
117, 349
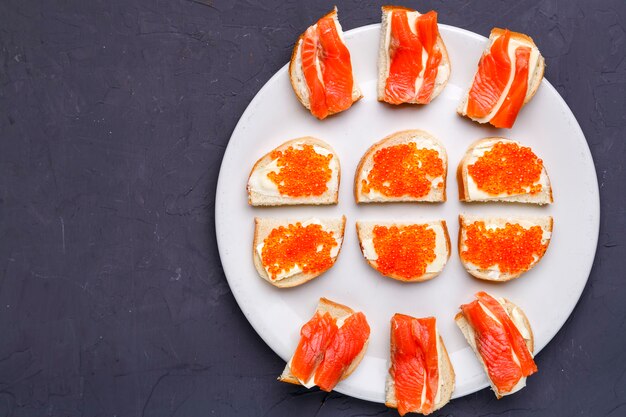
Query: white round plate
547, 293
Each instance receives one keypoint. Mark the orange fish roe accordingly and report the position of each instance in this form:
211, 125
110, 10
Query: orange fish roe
404, 251
295, 245
507, 168
303, 172
512, 248
404, 170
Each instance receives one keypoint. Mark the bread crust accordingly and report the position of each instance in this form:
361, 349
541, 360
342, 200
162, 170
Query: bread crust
339, 312
483, 274
292, 64
422, 278
266, 159
509, 306
462, 177
385, 142
445, 59
447, 373
297, 279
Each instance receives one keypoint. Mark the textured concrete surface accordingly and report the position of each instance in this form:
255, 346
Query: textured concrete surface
114, 116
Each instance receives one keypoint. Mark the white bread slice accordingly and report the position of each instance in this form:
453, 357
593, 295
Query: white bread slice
384, 60
263, 192
365, 231
422, 139
339, 312
446, 381
535, 74
296, 74
468, 191
263, 227
521, 322
493, 273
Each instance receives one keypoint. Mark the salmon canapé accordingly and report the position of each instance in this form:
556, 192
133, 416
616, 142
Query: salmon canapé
413, 62
321, 69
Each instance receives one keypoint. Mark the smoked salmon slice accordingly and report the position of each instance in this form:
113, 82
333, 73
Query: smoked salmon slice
326, 69
344, 347
505, 117
414, 363
508, 75
412, 57
315, 336
499, 342
331, 346
405, 51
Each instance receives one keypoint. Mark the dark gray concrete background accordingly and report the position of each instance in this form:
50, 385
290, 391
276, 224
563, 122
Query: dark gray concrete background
114, 116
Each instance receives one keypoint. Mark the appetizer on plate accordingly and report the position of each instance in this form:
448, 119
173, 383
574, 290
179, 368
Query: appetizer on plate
409, 252
502, 248
331, 346
406, 166
508, 76
301, 171
499, 333
413, 64
421, 377
290, 252
499, 169
321, 70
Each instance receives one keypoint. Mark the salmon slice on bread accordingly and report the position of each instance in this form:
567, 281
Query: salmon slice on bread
409, 252
300, 171
500, 335
320, 69
290, 252
421, 376
331, 347
508, 76
502, 248
413, 63
406, 166
500, 169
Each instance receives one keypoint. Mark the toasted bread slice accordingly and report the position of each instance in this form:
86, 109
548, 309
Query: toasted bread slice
492, 271
470, 192
384, 56
262, 191
521, 322
296, 71
435, 186
340, 312
536, 68
446, 380
294, 276
365, 231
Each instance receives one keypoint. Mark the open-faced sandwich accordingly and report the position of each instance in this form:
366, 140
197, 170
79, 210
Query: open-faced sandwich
499, 169
406, 166
300, 171
321, 70
413, 64
508, 76
502, 248
421, 377
290, 252
407, 252
331, 346
499, 333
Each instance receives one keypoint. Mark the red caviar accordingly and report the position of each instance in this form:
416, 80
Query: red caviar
404, 170
512, 248
404, 251
308, 247
303, 172
507, 168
